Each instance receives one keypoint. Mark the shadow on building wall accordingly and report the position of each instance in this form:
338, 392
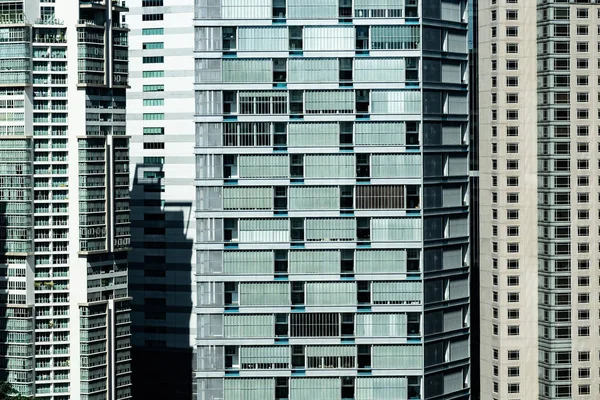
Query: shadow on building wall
160, 279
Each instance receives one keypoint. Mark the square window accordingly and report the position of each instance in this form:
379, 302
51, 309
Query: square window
513, 330
512, 297
512, 65
513, 355
512, 15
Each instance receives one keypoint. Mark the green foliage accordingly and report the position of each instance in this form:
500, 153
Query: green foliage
7, 392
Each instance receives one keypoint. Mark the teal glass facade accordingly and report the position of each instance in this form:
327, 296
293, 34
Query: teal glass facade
332, 166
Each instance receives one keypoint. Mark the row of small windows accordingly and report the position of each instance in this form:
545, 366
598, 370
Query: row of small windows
326, 9
152, 17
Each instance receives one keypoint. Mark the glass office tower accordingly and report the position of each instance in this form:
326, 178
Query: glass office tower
332, 163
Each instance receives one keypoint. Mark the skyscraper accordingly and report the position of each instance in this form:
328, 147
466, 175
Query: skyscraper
538, 84
332, 161
64, 199
160, 109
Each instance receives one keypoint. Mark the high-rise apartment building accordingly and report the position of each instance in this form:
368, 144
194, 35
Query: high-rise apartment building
538, 91
332, 153
64, 199
160, 120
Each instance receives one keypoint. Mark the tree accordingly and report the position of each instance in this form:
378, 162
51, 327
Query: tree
7, 392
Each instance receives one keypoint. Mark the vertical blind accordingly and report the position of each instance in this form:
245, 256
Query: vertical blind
397, 357
380, 261
328, 229
247, 70
330, 293
311, 9
329, 166
322, 70
396, 101
264, 355
208, 70
210, 358
314, 197
314, 388
247, 262
313, 134
268, 38
246, 9
314, 262
329, 101
401, 292
379, 133
264, 293
248, 325
395, 37
395, 165
249, 389
328, 37
381, 325
263, 166
379, 69
264, 230
396, 229
381, 388
247, 198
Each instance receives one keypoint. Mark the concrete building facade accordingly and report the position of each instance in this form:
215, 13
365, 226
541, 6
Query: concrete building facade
332, 163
